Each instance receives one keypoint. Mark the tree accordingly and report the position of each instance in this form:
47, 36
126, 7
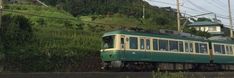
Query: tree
15, 35
16, 30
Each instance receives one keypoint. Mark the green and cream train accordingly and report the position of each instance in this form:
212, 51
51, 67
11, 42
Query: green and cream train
138, 50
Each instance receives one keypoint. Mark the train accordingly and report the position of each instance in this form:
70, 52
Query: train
136, 50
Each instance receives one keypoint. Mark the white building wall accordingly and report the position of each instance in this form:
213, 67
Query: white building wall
209, 28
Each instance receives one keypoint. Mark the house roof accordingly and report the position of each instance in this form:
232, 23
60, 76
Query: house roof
205, 23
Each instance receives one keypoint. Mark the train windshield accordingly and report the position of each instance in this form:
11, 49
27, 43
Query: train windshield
108, 42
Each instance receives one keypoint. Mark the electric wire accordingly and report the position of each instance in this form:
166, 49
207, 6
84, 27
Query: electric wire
201, 9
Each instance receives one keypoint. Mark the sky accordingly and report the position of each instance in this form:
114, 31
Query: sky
196, 7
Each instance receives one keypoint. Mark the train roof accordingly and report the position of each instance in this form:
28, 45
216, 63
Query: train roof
225, 42
128, 32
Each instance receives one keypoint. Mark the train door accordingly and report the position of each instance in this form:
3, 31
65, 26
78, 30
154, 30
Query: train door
147, 45
142, 44
123, 46
142, 48
147, 48
122, 43
189, 47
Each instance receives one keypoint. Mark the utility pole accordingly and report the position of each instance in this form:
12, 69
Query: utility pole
230, 18
143, 11
178, 15
42, 3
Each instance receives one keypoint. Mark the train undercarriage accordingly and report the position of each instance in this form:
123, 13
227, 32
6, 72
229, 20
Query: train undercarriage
130, 66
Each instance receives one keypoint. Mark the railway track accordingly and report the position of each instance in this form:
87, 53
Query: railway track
117, 75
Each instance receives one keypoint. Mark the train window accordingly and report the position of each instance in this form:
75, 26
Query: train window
187, 47
122, 42
108, 42
217, 49
148, 44
203, 48
133, 43
223, 49
155, 44
227, 49
197, 48
181, 46
191, 47
230, 50
173, 46
163, 45
142, 44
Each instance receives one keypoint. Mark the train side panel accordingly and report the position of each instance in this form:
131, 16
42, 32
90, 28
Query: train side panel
154, 57
223, 59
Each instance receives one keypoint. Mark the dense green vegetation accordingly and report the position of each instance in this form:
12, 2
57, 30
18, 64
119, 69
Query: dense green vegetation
155, 18
40, 42
16, 34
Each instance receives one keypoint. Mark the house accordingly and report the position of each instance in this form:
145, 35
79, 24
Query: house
227, 30
214, 28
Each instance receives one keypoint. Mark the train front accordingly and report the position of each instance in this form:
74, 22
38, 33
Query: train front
110, 54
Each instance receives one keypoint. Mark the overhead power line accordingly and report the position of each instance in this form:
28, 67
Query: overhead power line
175, 5
215, 4
220, 3
205, 10
201, 10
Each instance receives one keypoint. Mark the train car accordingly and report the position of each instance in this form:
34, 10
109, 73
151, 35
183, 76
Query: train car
223, 54
130, 49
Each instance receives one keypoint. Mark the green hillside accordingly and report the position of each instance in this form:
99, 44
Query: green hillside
118, 12
37, 14
58, 38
